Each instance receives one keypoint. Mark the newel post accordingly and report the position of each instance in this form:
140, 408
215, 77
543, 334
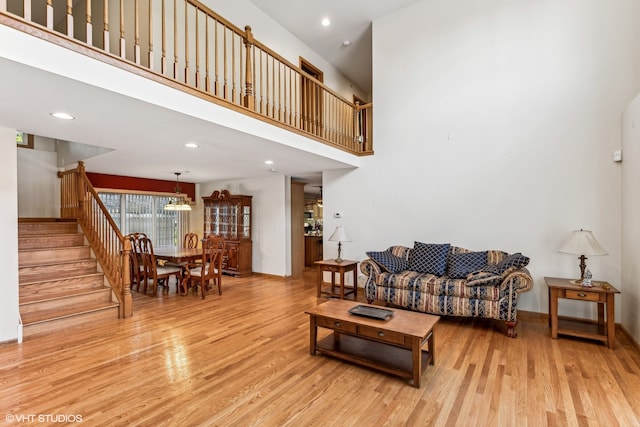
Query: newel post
126, 304
249, 98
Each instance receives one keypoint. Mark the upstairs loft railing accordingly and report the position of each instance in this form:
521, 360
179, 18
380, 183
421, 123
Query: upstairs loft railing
187, 45
80, 200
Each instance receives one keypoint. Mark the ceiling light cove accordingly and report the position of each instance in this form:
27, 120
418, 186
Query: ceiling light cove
63, 116
326, 22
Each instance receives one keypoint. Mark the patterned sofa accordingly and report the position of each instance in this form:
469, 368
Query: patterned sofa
450, 281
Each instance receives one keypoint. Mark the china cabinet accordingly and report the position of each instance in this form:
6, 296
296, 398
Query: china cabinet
229, 216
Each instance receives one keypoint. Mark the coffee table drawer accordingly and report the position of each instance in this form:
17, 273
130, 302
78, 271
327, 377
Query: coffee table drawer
338, 325
381, 334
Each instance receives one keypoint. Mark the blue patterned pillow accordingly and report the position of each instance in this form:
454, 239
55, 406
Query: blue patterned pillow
389, 261
512, 262
461, 264
429, 258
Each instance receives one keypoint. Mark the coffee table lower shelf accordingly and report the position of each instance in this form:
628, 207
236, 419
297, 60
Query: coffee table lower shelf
376, 355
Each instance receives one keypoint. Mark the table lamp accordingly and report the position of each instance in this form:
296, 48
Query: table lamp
582, 242
339, 235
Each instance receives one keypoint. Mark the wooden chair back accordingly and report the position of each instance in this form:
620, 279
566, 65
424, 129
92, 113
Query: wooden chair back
154, 274
135, 260
209, 269
190, 240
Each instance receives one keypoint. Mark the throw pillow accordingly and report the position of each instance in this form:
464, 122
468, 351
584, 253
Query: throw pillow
429, 258
389, 261
512, 262
461, 264
487, 276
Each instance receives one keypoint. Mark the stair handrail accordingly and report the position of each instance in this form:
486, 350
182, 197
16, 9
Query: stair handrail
80, 200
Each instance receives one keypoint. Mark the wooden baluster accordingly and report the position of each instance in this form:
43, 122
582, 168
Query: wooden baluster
186, 43
50, 14
225, 89
262, 109
150, 56
136, 29
197, 51
105, 32
207, 78
216, 84
3, 6
70, 18
249, 98
123, 45
163, 59
175, 40
233, 67
89, 24
27, 9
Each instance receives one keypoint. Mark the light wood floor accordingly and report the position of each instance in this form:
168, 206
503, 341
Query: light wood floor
243, 359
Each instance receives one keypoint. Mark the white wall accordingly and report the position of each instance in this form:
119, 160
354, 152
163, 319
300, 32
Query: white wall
269, 220
38, 182
494, 127
9, 311
630, 219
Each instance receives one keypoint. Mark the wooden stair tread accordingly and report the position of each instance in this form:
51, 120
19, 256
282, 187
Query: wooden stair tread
57, 278
31, 299
47, 264
60, 313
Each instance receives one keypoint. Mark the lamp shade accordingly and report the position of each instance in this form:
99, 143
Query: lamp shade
339, 235
582, 242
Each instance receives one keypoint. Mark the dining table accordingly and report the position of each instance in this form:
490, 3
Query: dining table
178, 255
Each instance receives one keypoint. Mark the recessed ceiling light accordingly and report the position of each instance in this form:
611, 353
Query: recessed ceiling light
268, 162
191, 145
346, 43
326, 22
63, 116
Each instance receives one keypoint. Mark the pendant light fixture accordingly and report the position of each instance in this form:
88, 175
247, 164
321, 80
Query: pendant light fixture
178, 203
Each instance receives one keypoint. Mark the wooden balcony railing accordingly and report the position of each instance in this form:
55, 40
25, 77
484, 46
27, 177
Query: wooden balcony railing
185, 43
79, 200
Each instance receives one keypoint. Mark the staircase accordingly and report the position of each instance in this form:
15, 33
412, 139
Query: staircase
60, 285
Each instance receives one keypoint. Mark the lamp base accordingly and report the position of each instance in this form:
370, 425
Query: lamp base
338, 260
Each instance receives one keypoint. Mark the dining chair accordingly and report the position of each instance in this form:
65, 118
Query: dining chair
208, 270
190, 241
135, 259
154, 274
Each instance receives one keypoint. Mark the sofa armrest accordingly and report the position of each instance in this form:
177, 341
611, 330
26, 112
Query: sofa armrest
518, 281
370, 268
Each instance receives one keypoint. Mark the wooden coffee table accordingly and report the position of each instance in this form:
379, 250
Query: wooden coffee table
393, 346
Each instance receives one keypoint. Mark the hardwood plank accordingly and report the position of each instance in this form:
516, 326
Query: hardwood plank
243, 359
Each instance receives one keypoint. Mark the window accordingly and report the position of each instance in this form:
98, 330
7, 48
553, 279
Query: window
144, 213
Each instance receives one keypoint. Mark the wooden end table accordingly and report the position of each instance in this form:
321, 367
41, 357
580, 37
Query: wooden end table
341, 268
394, 346
601, 293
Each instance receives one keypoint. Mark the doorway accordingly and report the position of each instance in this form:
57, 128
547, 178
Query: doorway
311, 105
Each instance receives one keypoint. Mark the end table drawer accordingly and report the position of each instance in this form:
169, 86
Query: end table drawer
337, 325
382, 335
583, 295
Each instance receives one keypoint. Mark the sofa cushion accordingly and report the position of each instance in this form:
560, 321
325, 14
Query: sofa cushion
512, 262
489, 275
389, 261
459, 265
429, 258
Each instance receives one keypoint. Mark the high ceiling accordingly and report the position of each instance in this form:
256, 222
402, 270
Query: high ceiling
350, 22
